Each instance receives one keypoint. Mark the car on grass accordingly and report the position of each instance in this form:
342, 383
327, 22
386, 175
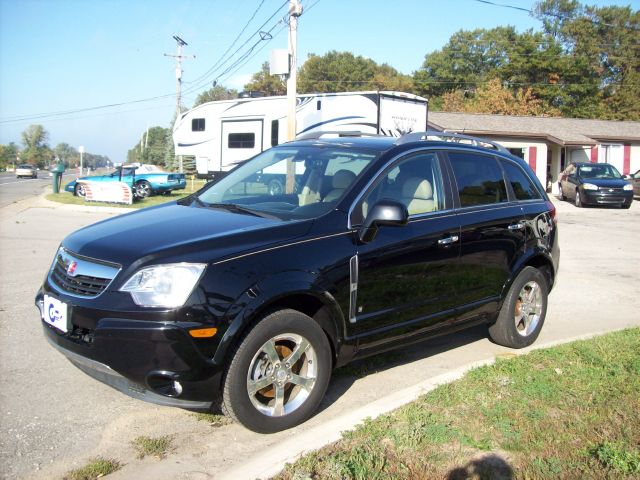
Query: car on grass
250, 297
142, 183
595, 184
26, 171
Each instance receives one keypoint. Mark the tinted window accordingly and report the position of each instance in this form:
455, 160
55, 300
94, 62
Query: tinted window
242, 140
415, 181
275, 128
197, 125
479, 179
521, 184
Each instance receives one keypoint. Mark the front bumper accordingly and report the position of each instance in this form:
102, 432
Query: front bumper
604, 197
155, 361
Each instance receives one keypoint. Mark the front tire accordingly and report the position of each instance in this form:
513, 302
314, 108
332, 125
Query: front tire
523, 311
578, 201
278, 374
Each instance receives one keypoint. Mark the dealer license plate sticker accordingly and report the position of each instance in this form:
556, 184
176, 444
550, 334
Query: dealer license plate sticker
55, 313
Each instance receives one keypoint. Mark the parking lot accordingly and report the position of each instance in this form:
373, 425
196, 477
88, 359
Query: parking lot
54, 418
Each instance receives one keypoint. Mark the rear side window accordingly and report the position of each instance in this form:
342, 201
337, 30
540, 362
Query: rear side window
197, 124
479, 179
242, 140
522, 186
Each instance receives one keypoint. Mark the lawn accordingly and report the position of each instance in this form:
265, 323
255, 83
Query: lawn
567, 412
70, 199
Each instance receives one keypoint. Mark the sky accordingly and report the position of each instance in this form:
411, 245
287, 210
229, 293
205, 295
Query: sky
68, 55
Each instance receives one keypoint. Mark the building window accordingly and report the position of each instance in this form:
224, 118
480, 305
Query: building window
242, 140
275, 127
197, 125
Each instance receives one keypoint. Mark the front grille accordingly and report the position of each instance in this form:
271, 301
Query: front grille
81, 276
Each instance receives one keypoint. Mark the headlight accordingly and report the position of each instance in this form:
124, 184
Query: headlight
164, 285
589, 186
628, 186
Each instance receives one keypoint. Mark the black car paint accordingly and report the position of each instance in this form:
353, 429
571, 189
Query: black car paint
312, 259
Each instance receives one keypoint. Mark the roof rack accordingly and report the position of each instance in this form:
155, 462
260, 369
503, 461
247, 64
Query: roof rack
339, 133
434, 135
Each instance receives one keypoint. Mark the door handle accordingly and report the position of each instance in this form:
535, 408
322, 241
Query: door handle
516, 226
448, 240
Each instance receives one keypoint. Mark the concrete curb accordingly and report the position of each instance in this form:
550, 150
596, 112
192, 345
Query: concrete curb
270, 463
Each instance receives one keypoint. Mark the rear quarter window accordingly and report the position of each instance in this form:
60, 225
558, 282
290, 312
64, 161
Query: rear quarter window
521, 184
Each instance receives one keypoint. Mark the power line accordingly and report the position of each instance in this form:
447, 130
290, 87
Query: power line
556, 15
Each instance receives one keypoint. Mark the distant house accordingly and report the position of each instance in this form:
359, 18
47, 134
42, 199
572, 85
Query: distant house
549, 144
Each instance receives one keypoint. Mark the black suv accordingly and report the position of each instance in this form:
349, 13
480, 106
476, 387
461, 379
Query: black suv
250, 295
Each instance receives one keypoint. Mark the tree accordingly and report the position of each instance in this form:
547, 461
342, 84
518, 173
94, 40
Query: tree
344, 72
152, 147
36, 150
494, 98
67, 154
8, 155
215, 93
266, 83
602, 46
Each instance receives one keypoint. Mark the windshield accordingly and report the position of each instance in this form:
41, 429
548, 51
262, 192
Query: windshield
289, 182
599, 171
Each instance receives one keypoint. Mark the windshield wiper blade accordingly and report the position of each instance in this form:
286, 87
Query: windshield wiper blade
234, 207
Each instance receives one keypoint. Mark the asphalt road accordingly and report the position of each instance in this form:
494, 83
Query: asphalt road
14, 189
54, 418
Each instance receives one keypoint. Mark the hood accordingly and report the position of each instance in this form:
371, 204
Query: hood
171, 231
605, 183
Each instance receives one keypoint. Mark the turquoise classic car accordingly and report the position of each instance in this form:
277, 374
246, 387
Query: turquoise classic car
143, 181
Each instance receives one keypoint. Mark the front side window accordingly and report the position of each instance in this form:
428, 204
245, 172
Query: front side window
197, 125
522, 186
289, 182
415, 181
242, 140
479, 179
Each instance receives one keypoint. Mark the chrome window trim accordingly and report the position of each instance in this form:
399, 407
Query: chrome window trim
383, 168
90, 267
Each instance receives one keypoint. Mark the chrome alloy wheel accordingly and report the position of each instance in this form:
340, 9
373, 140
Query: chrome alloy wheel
282, 374
528, 308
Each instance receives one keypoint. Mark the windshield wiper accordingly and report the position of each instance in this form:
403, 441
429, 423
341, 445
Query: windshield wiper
236, 208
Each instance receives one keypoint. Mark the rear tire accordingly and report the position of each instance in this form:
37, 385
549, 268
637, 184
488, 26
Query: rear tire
79, 190
143, 189
523, 311
278, 374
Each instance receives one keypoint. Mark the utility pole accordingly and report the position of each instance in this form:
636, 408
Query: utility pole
179, 57
295, 10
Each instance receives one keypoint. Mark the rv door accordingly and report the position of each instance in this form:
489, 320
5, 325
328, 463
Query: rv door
241, 139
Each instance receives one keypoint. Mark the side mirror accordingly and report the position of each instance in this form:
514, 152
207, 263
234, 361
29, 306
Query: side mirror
627, 177
385, 212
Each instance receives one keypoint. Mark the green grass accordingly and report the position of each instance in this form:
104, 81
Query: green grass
97, 468
212, 419
152, 447
566, 412
70, 199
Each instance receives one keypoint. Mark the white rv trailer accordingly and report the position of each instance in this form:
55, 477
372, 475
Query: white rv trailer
221, 134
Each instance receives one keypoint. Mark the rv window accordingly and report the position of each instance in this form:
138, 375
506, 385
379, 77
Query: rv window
275, 126
242, 140
197, 125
